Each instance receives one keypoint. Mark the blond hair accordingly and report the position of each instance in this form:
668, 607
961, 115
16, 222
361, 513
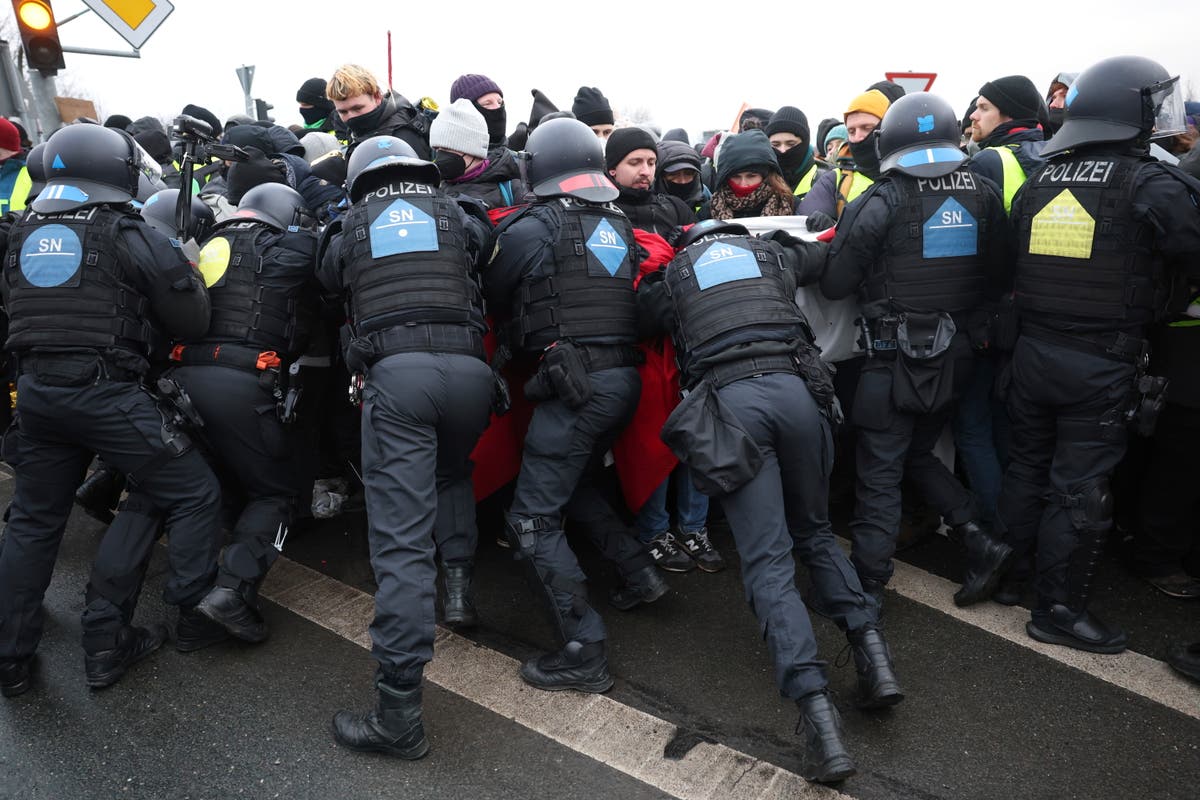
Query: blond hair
351, 80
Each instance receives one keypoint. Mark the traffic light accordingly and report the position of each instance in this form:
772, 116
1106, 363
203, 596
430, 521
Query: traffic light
39, 36
261, 107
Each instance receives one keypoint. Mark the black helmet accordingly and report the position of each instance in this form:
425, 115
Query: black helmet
159, 212
392, 154
565, 157
1117, 100
276, 204
710, 227
919, 136
86, 165
37, 170
147, 188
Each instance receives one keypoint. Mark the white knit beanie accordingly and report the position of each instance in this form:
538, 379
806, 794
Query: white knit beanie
460, 128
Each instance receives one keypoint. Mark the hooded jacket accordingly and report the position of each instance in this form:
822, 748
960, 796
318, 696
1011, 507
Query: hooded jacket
499, 185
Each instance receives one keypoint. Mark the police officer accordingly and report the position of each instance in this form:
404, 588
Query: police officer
405, 256
1098, 227
562, 271
80, 392
746, 350
259, 267
922, 247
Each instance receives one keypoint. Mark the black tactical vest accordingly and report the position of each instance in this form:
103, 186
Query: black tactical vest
932, 259
1080, 252
67, 288
407, 264
585, 292
259, 300
729, 291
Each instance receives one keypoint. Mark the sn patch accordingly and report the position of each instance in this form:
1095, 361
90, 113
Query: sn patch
950, 232
403, 228
51, 256
608, 247
725, 263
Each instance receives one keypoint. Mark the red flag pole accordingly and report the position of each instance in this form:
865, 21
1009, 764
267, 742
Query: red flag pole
389, 61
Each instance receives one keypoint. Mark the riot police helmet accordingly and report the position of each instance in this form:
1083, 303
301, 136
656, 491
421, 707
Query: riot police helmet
1119, 99
159, 212
276, 204
389, 158
565, 157
919, 136
710, 227
37, 170
147, 188
86, 165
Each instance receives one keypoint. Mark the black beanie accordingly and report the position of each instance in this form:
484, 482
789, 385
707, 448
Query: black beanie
156, 144
624, 141
966, 120
1015, 96
542, 106
788, 119
312, 92
750, 151
118, 121
204, 115
889, 89
591, 107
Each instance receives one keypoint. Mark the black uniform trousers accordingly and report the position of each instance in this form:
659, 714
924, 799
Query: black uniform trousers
1067, 438
422, 415
60, 429
1166, 536
785, 508
892, 444
255, 453
559, 446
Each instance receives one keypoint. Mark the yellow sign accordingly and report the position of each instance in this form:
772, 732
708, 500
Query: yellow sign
1062, 228
214, 260
134, 20
132, 12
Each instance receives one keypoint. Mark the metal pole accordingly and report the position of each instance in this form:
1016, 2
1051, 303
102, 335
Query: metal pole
20, 90
43, 91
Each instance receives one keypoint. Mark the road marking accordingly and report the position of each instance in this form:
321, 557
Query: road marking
1134, 672
597, 726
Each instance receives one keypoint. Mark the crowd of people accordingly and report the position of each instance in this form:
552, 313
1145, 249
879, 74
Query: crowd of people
755, 319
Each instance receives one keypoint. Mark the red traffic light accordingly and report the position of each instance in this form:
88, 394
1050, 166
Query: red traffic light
39, 35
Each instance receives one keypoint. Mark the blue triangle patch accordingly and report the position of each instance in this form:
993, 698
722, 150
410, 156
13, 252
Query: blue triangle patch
950, 232
58, 162
608, 247
402, 228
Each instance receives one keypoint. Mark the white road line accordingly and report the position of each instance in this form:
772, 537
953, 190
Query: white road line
599, 727
1137, 673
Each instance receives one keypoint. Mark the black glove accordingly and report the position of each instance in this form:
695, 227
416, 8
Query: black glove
659, 274
819, 221
780, 237
245, 175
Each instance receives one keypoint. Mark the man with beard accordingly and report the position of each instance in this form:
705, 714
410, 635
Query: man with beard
1006, 123
631, 156
362, 105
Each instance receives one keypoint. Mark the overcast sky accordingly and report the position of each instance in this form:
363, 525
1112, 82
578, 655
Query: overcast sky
690, 64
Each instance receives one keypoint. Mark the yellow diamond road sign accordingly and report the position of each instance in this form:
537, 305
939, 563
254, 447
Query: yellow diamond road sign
134, 20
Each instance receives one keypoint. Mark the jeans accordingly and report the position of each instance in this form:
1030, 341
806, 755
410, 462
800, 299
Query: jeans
691, 507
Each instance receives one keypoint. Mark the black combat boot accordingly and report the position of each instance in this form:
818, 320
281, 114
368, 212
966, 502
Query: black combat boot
229, 609
986, 560
460, 611
875, 589
877, 683
195, 631
15, 676
582, 667
100, 492
1078, 629
642, 586
103, 668
825, 756
393, 727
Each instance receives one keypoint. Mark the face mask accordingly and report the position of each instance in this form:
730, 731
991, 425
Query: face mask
366, 123
496, 120
681, 190
451, 165
1057, 117
866, 160
792, 160
313, 115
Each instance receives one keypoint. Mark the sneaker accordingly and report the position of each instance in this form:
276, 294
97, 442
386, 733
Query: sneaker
667, 555
696, 545
103, 668
15, 676
1179, 585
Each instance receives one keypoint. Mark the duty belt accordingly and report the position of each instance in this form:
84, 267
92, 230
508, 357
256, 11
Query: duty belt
426, 338
226, 355
599, 357
1119, 347
727, 372
73, 369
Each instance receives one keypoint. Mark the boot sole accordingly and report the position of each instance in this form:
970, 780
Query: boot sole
988, 588
838, 771
14, 689
109, 678
253, 636
200, 644
893, 698
1066, 640
411, 754
657, 594
595, 687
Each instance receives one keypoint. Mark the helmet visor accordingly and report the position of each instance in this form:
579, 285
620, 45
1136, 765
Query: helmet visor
146, 163
1166, 105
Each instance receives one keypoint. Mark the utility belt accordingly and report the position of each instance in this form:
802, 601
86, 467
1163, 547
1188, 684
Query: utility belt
727, 372
878, 336
74, 369
284, 385
564, 368
1119, 346
424, 337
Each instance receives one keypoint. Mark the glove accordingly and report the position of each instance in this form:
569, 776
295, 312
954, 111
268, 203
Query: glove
245, 175
819, 221
780, 237
656, 276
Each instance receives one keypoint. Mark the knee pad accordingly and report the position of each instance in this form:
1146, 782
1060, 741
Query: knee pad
522, 532
1091, 507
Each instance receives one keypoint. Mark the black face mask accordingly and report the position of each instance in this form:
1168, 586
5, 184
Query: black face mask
866, 160
497, 120
451, 165
1057, 117
315, 114
683, 191
366, 123
792, 160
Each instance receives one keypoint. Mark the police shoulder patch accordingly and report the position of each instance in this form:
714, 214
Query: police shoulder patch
1062, 228
608, 247
401, 228
951, 232
51, 256
722, 263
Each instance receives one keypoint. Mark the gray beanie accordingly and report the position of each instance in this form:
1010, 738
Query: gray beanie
317, 144
460, 128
